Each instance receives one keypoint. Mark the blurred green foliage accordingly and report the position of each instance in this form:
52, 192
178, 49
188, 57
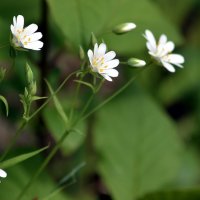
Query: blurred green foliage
142, 145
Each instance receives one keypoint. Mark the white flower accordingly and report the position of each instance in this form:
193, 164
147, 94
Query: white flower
26, 37
102, 62
3, 174
161, 51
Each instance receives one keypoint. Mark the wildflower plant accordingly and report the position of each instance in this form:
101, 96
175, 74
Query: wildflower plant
100, 65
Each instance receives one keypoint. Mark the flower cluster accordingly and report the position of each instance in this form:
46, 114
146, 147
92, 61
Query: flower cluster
101, 61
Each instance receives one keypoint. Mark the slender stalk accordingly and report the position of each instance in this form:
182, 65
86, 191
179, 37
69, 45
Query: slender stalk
110, 98
67, 132
44, 164
89, 101
26, 121
76, 95
13, 140
49, 99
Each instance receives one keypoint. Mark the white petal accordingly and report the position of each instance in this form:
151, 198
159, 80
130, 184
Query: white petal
12, 29
90, 55
168, 66
20, 22
151, 39
163, 39
34, 45
176, 59
35, 36
107, 77
150, 47
31, 29
112, 64
3, 174
109, 56
112, 72
14, 21
95, 49
169, 46
102, 49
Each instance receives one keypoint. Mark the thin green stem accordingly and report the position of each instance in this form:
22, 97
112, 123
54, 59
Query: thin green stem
71, 113
27, 119
110, 98
89, 101
49, 99
13, 140
44, 164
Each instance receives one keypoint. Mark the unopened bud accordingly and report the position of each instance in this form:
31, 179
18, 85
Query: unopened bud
29, 74
81, 53
124, 28
33, 88
93, 39
134, 62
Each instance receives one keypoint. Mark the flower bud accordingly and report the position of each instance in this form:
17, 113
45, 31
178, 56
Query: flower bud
124, 28
134, 62
29, 74
81, 53
93, 39
33, 88
3, 174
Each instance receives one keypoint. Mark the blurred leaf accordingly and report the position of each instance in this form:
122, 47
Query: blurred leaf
65, 182
138, 146
189, 173
83, 20
30, 10
19, 175
186, 194
57, 127
184, 80
5, 103
182, 8
21, 158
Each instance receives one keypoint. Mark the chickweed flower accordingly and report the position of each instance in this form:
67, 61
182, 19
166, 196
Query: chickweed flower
161, 51
26, 37
102, 62
3, 174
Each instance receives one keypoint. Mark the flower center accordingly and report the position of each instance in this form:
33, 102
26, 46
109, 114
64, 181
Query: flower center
21, 39
99, 64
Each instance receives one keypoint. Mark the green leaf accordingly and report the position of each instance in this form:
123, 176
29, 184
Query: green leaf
176, 86
21, 158
58, 105
19, 175
185, 194
139, 150
5, 103
83, 20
